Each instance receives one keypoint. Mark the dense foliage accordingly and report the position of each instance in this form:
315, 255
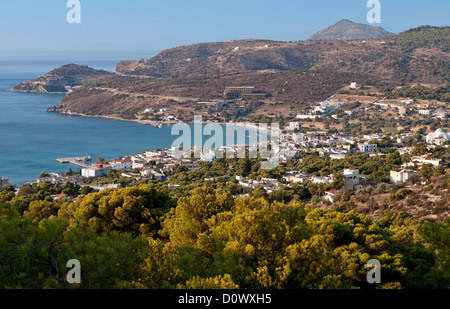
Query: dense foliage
422, 37
139, 237
422, 93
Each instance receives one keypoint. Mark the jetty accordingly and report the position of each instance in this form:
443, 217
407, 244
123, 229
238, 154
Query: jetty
79, 161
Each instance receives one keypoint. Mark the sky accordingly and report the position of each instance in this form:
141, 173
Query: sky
27, 25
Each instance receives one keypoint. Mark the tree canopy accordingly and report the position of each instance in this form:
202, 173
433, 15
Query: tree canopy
139, 237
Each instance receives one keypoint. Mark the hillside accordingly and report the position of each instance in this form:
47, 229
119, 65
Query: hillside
403, 57
348, 30
60, 80
126, 97
292, 73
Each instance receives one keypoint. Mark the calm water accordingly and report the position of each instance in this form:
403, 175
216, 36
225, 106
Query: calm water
31, 139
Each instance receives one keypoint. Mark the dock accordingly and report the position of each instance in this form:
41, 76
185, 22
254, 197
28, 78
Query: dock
79, 161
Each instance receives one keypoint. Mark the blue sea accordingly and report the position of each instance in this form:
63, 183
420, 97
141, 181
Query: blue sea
31, 139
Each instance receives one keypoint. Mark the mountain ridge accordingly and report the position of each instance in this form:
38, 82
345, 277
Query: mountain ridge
293, 73
404, 56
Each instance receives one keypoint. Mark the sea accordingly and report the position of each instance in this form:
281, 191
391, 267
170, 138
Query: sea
31, 139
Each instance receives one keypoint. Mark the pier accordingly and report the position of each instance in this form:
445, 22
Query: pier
79, 161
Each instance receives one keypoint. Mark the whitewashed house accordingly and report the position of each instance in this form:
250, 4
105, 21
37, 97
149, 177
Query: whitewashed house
98, 170
401, 176
438, 137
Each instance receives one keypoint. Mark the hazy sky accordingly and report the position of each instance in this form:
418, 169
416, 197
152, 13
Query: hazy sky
156, 25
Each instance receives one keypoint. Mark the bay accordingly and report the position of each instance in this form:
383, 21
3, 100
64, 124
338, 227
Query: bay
31, 139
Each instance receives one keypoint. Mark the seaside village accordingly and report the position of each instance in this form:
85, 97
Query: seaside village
157, 164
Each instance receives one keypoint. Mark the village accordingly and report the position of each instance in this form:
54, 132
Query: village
158, 165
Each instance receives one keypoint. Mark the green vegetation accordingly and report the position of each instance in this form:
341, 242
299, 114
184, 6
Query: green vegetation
139, 237
420, 92
211, 232
377, 167
74, 69
363, 122
422, 37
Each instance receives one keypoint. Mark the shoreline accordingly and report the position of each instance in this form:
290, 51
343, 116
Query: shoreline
29, 91
250, 125
145, 122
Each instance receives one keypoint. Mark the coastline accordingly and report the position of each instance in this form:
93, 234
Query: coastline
157, 124
145, 122
30, 91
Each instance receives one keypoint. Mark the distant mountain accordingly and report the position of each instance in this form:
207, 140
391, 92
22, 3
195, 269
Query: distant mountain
348, 30
60, 80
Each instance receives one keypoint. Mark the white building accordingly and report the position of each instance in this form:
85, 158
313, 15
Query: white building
401, 176
337, 156
298, 177
96, 171
319, 179
208, 156
425, 112
331, 195
419, 161
294, 125
331, 102
351, 179
323, 109
152, 154
367, 147
139, 164
408, 101
440, 114
308, 116
438, 137
155, 175
122, 164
